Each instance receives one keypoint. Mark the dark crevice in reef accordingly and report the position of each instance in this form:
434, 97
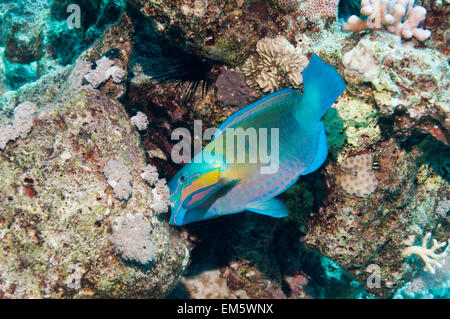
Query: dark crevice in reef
165, 60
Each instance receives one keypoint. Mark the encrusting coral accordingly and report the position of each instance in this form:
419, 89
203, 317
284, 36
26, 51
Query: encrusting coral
150, 174
21, 126
104, 70
119, 178
355, 177
428, 255
399, 17
361, 60
161, 195
317, 9
277, 64
131, 238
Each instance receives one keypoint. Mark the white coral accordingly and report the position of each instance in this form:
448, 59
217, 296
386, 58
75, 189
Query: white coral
131, 238
119, 178
161, 197
428, 255
150, 174
276, 64
140, 120
399, 17
361, 61
104, 70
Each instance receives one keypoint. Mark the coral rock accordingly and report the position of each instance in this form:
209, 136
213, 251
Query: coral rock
60, 207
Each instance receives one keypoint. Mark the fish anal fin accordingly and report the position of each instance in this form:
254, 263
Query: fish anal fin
272, 207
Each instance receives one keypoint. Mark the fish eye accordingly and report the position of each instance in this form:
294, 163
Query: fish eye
183, 178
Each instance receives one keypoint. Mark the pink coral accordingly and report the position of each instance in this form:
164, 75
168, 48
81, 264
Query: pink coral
399, 17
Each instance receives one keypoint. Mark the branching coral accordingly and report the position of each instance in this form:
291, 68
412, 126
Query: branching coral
400, 17
21, 126
277, 64
428, 255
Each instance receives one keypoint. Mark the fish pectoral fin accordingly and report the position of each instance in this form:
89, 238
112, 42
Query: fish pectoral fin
228, 181
271, 207
200, 196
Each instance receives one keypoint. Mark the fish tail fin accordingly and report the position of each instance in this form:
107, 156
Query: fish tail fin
322, 85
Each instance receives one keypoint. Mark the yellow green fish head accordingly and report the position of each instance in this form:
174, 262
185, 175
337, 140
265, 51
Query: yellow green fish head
190, 190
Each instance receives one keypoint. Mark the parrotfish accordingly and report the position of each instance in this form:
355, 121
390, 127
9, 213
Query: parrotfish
207, 189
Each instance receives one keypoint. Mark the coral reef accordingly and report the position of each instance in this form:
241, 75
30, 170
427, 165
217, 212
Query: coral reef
225, 31
400, 17
277, 64
56, 203
57, 209
210, 285
357, 233
36, 39
427, 285
72, 102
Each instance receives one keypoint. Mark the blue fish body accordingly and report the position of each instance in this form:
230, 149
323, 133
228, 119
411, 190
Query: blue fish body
204, 190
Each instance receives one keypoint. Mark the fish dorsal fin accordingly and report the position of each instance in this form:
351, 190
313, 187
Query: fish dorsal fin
271, 100
271, 207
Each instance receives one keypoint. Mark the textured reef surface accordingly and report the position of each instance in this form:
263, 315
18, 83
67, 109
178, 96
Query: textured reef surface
86, 116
